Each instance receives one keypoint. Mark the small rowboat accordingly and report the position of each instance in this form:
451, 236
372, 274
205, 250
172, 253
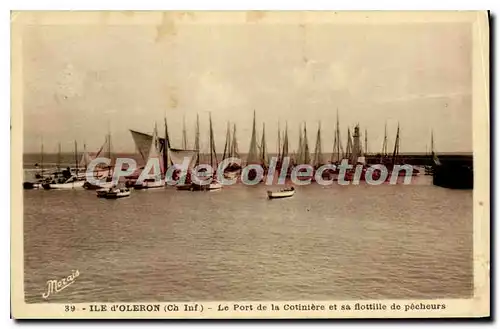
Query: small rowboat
118, 193
284, 193
209, 187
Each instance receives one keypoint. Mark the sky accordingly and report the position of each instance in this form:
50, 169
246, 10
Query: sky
79, 81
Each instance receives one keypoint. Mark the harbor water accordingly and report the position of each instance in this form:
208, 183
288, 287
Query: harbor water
324, 243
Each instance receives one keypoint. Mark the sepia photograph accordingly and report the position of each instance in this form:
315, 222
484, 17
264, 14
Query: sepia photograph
250, 164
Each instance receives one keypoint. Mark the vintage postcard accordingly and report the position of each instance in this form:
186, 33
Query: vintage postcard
215, 165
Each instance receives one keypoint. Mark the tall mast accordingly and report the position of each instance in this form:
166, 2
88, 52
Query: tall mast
166, 145
184, 134
59, 157
76, 157
227, 145
337, 145
252, 152
366, 142
41, 156
284, 153
109, 149
384, 144
197, 140
234, 144
263, 154
432, 142
307, 156
317, 150
213, 153
85, 164
396, 147
299, 156
279, 142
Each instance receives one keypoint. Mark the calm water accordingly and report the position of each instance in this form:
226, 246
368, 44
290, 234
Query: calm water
338, 242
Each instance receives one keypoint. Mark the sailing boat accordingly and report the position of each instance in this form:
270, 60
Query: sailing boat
186, 186
36, 181
68, 180
101, 172
396, 160
338, 149
231, 151
169, 156
263, 149
214, 185
283, 151
383, 154
303, 156
256, 154
318, 156
154, 153
431, 155
306, 154
318, 160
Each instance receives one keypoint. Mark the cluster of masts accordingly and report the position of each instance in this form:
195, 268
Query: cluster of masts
258, 152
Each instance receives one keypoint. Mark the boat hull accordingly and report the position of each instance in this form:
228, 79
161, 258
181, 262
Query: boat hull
149, 185
117, 195
280, 195
63, 186
31, 186
89, 186
184, 187
208, 187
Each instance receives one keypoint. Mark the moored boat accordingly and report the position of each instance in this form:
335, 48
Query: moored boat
101, 193
116, 193
150, 183
71, 183
283, 193
31, 185
208, 187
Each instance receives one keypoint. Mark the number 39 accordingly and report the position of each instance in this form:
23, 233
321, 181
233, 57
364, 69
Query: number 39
69, 308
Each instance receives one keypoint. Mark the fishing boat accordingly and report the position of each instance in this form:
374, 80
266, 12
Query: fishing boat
34, 178
101, 173
150, 183
101, 193
32, 185
283, 152
71, 183
283, 193
303, 154
397, 161
167, 155
231, 151
154, 153
67, 179
214, 185
116, 193
257, 154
